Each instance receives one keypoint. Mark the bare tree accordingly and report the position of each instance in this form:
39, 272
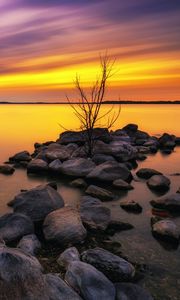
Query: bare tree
88, 108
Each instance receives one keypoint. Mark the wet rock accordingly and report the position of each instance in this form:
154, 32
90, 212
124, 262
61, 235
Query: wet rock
159, 183
58, 289
78, 167
169, 202
55, 166
147, 173
29, 244
37, 166
64, 227
113, 266
100, 193
68, 256
14, 226
21, 276
93, 214
131, 291
78, 183
21, 156
131, 205
6, 169
101, 158
167, 141
166, 229
38, 202
110, 171
116, 225
122, 185
89, 282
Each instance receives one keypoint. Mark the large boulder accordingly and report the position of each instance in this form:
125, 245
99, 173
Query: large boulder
130, 129
55, 166
131, 291
57, 151
110, 171
6, 169
64, 227
166, 229
78, 167
89, 282
114, 267
101, 158
93, 214
147, 173
167, 141
29, 244
38, 202
98, 192
37, 166
170, 202
13, 226
159, 183
68, 256
21, 156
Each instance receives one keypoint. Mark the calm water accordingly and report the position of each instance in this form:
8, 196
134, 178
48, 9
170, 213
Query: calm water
22, 125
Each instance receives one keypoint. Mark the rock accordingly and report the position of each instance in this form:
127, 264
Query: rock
21, 156
37, 166
169, 202
29, 244
147, 173
178, 191
64, 227
58, 289
141, 157
141, 135
159, 183
38, 202
98, 192
131, 291
130, 129
167, 141
6, 169
113, 266
122, 185
13, 226
177, 140
93, 214
110, 171
101, 158
78, 183
68, 256
57, 151
21, 276
131, 205
55, 166
166, 229
78, 167
89, 282
68, 137
116, 225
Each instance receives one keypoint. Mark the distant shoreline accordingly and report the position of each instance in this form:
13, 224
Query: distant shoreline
105, 102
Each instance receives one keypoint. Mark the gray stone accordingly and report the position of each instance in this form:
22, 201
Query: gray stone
55, 166
169, 202
29, 244
68, 256
89, 282
21, 156
131, 291
98, 192
78, 167
6, 169
64, 227
131, 205
114, 267
159, 183
38, 202
14, 226
122, 185
147, 173
166, 229
93, 214
37, 166
110, 171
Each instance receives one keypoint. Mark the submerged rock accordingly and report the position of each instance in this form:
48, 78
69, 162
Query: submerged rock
166, 229
93, 214
131, 205
78, 183
114, 267
64, 227
29, 244
98, 192
68, 256
131, 291
159, 183
78, 167
89, 282
147, 173
6, 169
38, 202
169, 202
14, 226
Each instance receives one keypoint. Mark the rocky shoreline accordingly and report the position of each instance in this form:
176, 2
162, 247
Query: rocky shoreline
73, 244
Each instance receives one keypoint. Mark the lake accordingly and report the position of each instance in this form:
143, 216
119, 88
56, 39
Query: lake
23, 125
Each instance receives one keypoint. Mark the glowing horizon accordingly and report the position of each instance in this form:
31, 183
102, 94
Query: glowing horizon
45, 43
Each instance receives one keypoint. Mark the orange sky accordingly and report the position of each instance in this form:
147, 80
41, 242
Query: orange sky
43, 44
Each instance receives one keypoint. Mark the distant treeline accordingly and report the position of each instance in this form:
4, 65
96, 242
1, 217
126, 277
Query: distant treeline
105, 102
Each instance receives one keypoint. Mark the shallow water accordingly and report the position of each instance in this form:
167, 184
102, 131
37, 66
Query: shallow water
23, 125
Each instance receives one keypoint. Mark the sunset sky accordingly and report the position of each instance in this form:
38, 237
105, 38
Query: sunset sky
44, 43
